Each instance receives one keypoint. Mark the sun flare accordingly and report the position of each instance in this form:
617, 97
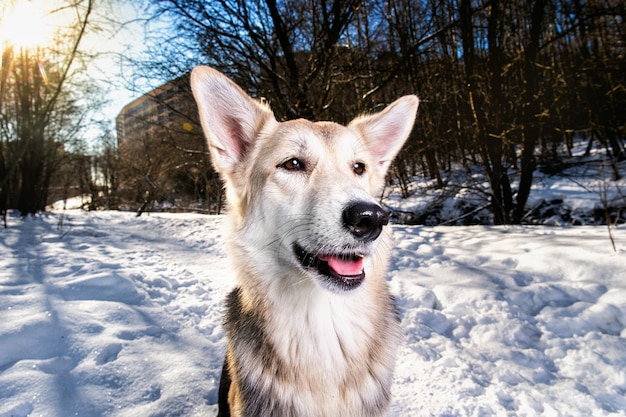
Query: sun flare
25, 24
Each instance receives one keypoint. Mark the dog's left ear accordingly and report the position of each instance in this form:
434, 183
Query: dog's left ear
384, 133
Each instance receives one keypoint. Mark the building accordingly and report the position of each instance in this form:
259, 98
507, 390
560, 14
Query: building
164, 162
165, 111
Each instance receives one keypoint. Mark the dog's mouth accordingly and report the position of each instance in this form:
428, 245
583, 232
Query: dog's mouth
344, 271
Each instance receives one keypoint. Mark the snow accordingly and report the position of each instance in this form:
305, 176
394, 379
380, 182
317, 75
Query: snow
511, 321
104, 313
108, 314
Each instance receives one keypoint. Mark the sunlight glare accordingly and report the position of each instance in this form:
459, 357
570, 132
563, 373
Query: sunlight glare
25, 24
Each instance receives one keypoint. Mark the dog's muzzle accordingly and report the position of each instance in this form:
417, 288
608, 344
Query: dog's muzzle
344, 270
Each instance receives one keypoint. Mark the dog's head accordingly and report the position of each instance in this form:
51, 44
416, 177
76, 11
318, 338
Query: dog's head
302, 192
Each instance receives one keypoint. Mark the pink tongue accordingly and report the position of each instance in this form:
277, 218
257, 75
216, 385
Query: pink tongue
344, 266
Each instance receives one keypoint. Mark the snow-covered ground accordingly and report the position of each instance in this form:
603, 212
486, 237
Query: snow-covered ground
107, 314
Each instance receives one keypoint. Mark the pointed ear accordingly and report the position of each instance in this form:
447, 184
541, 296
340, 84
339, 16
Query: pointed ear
230, 118
384, 133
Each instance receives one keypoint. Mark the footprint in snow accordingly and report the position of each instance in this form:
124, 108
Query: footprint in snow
108, 354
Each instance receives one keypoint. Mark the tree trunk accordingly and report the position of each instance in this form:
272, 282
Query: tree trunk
486, 132
530, 109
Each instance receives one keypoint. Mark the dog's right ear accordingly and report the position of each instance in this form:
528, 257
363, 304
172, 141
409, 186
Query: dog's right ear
230, 118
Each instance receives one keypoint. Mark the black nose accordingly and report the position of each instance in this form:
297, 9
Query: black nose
365, 220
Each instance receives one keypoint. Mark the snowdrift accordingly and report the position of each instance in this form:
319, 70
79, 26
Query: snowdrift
107, 314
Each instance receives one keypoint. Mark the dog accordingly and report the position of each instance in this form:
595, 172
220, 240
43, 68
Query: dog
312, 329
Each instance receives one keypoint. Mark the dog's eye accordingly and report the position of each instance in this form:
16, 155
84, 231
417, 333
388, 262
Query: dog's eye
358, 168
293, 164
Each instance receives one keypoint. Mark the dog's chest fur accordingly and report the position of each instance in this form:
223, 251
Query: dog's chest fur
319, 358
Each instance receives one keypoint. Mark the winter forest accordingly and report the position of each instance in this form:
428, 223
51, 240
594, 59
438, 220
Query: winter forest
507, 90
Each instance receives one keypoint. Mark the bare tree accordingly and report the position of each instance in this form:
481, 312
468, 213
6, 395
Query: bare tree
286, 51
39, 115
503, 84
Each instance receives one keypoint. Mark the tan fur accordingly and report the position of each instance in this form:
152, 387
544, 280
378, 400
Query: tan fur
300, 342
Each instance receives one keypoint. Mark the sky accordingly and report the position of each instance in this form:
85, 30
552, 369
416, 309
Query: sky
116, 29
121, 33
